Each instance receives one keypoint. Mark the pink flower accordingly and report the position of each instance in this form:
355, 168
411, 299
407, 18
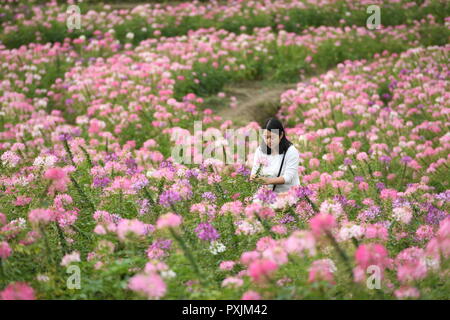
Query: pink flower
54, 174
261, 269
17, 291
41, 216
362, 156
233, 282
168, 220
402, 214
251, 295
249, 256
133, 227
407, 292
322, 223
5, 250
411, 264
378, 231
424, 232
226, 265
372, 254
69, 258
22, 201
388, 194
322, 269
59, 178
150, 285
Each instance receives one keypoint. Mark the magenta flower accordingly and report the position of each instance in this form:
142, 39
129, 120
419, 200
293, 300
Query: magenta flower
206, 232
18, 291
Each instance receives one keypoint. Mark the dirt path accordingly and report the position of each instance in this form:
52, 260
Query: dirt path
256, 101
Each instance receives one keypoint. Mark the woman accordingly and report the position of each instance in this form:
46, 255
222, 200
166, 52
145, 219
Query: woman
270, 154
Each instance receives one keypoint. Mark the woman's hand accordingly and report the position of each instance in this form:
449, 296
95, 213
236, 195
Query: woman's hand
267, 180
257, 179
279, 180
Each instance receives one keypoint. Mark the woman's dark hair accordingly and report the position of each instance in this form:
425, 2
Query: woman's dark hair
275, 125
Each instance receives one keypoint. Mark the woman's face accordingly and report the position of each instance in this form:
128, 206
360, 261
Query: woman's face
272, 138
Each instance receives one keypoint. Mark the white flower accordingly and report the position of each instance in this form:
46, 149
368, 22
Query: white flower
130, 35
350, 231
42, 278
217, 247
168, 274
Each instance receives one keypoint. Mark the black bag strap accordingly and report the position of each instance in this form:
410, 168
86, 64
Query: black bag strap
279, 172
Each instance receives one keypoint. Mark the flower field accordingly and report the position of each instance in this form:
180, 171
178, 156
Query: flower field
93, 204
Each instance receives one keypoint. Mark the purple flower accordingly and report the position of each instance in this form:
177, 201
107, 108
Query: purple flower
393, 84
287, 219
386, 96
131, 165
303, 192
111, 156
266, 196
348, 161
370, 213
139, 184
168, 165
209, 196
406, 159
144, 205
64, 136
444, 196
101, 182
169, 197
401, 202
161, 244
206, 232
359, 179
191, 173
385, 159
404, 71
380, 185
342, 200
435, 216
243, 171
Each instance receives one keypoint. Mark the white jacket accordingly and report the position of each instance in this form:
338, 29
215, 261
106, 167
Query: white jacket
273, 161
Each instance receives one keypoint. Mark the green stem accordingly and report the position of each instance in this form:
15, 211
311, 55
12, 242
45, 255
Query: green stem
88, 157
69, 152
81, 232
82, 193
265, 225
187, 253
403, 175
149, 196
369, 168
2, 272
47, 246
351, 170
341, 253
312, 204
62, 239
